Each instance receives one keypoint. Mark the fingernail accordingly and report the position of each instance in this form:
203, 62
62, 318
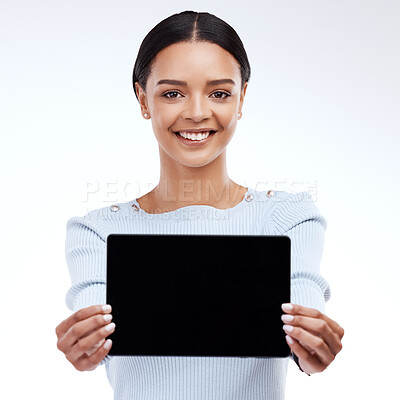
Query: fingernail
107, 344
288, 328
106, 308
107, 317
289, 339
287, 318
287, 307
110, 327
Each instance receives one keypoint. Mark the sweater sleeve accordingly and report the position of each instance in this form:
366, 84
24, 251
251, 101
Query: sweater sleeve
298, 217
85, 253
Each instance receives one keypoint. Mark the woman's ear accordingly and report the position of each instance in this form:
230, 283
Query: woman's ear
242, 94
141, 94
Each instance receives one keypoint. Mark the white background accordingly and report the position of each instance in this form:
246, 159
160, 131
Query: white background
321, 113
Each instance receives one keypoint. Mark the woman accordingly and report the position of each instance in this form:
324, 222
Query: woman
190, 78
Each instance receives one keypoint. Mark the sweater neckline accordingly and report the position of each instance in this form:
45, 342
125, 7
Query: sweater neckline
249, 195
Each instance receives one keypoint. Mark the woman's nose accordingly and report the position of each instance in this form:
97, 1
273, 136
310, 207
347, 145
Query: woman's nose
197, 108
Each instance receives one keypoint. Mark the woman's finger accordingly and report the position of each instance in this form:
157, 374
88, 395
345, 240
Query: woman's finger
313, 363
314, 343
298, 309
95, 347
84, 345
81, 315
89, 363
84, 328
316, 326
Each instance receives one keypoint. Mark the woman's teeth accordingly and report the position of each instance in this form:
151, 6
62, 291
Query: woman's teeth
194, 136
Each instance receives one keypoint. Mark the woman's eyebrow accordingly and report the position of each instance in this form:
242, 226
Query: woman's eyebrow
209, 83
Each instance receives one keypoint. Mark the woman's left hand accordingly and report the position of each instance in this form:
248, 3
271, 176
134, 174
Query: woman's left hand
312, 336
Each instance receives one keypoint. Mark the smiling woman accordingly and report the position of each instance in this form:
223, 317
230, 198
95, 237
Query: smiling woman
190, 78
193, 119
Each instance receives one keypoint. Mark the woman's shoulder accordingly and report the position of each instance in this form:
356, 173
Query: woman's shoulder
96, 221
280, 199
286, 209
282, 195
107, 212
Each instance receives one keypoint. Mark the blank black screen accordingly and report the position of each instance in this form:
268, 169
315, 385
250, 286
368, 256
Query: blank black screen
198, 295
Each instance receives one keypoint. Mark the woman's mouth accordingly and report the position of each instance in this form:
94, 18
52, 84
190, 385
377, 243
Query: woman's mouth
195, 139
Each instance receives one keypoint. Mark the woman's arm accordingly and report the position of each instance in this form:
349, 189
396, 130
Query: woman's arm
85, 252
297, 216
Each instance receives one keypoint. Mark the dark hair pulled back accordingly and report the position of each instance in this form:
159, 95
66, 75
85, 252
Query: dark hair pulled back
188, 26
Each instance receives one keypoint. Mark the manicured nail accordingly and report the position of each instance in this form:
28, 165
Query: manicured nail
287, 307
106, 308
110, 327
107, 317
287, 318
289, 339
107, 344
288, 328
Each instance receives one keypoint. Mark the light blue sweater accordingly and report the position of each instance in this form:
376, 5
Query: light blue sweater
200, 378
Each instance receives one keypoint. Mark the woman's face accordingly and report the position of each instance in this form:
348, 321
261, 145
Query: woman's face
193, 101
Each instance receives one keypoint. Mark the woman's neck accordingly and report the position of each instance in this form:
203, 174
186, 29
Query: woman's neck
181, 186
211, 192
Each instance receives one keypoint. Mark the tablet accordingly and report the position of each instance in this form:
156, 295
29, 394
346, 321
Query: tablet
198, 295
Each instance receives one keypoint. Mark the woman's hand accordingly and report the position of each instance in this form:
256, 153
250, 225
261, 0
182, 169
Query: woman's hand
312, 336
81, 337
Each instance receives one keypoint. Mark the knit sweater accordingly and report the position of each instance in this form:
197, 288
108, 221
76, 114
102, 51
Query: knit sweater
199, 378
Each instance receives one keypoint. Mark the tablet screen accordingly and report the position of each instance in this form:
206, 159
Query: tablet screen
198, 295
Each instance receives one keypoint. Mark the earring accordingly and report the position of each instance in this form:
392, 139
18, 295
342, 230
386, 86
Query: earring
239, 114
146, 115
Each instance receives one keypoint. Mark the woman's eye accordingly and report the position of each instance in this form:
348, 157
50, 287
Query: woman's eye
223, 93
170, 97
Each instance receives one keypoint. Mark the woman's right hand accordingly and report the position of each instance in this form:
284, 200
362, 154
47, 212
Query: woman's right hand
82, 336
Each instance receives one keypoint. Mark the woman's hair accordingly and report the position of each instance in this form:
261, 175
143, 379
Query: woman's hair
188, 26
